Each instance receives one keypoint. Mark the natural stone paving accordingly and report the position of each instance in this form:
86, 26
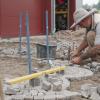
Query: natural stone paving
47, 90
52, 87
76, 73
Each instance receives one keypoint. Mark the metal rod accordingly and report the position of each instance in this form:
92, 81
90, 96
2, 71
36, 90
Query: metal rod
28, 44
20, 33
47, 42
35, 75
69, 51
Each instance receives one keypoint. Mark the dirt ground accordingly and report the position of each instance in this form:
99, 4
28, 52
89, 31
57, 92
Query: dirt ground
13, 64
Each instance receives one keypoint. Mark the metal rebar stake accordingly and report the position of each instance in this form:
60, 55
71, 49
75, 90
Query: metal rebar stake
47, 42
20, 33
69, 51
28, 44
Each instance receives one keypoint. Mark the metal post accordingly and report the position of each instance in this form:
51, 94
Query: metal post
20, 33
47, 42
28, 44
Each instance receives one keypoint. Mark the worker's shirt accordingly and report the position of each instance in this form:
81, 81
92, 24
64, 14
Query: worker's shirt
97, 28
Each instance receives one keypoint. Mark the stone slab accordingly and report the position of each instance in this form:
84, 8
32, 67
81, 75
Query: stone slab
38, 98
57, 86
35, 82
50, 97
98, 89
51, 93
10, 91
52, 79
28, 97
88, 90
46, 85
65, 83
76, 73
68, 94
95, 96
34, 92
61, 97
17, 97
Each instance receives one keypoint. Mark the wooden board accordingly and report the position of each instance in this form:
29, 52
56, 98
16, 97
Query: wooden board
1, 91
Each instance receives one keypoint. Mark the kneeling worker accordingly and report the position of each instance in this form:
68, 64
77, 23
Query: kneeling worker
91, 21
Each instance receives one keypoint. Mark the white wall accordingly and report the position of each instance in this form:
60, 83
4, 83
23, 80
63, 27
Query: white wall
79, 3
52, 15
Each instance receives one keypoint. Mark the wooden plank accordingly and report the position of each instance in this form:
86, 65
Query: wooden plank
1, 91
61, 12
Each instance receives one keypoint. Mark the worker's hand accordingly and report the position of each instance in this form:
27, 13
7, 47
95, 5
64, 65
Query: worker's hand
74, 53
76, 60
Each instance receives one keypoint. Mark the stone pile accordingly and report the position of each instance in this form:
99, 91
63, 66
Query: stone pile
64, 48
69, 34
67, 40
93, 66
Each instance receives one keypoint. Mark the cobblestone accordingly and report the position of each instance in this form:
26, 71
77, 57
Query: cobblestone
38, 98
50, 97
46, 85
57, 86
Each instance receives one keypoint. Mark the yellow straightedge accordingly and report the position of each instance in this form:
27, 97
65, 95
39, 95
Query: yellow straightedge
35, 75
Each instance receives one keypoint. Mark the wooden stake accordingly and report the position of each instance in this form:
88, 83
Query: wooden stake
1, 91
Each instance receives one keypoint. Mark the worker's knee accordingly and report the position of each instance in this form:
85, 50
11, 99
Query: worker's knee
91, 34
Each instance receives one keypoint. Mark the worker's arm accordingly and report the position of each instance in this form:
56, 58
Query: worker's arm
91, 53
82, 46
